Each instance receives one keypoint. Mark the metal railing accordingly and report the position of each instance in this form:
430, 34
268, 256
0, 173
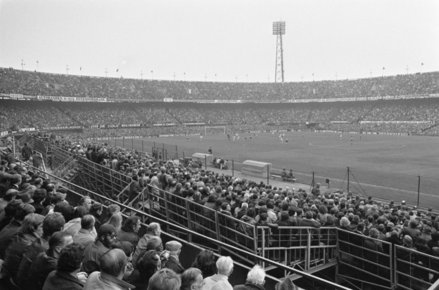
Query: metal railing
374, 261
75, 192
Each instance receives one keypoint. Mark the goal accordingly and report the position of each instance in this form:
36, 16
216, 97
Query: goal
214, 130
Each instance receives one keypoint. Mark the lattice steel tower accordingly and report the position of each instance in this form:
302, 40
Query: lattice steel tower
279, 30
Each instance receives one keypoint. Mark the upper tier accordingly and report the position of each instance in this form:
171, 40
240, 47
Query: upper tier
35, 83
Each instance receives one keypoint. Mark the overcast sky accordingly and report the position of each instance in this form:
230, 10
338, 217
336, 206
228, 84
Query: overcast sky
220, 40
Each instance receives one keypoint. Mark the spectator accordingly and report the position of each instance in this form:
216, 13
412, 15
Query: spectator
8, 232
147, 265
255, 280
65, 277
191, 279
116, 221
113, 266
129, 230
46, 262
26, 152
152, 230
206, 262
74, 225
220, 281
30, 231
164, 279
173, 261
52, 223
87, 233
94, 251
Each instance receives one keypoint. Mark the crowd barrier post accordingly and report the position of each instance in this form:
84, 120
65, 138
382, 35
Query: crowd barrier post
205, 162
419, 190
163, 151
268, 174
348, 181
233, 168
176, 151
123, 142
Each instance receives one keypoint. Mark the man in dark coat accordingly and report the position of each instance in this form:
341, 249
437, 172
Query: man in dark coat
65, 277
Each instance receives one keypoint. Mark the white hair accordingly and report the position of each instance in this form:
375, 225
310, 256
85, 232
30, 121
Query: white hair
224, 265
256, 275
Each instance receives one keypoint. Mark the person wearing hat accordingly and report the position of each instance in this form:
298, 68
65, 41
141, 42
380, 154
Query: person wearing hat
173, 262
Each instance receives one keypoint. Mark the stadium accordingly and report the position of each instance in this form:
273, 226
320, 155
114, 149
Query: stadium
152, 183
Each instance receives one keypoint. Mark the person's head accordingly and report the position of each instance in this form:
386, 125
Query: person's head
132, 224
88, 222
22, 210
154, 243
65, 209
126, 247
86, 202
224, 264
154, 228
116, 221
80, 211
256, 275
33, 224
58, 241
96, 209
174, 247
70, 258
206, 262
113, 263
113, 208
107, 235
165, 279
344, 222
148, 263
52, 223
407, 241
191, 279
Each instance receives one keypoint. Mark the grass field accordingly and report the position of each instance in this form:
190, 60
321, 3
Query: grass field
381, 166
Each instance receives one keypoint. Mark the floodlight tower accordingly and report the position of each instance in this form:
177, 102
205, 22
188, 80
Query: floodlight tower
279, 30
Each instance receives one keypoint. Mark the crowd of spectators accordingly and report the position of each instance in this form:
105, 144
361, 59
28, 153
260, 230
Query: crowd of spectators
262, 204
38, 226
105, 119
48, 243
35, 83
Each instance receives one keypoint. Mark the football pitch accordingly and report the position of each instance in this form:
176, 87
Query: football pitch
382, 166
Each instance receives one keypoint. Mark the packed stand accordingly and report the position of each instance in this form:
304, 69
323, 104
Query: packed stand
35, 83
47, 243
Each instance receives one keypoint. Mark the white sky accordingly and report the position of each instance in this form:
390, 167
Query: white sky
220, 40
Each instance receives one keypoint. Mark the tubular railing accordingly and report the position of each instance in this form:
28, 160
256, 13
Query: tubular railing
302, 247
414, 269
78, 192
367, 261
361, 260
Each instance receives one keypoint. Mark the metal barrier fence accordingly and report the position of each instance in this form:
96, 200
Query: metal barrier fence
78, 192
407, 187
365, 260
379, 264
375, 261
414, 269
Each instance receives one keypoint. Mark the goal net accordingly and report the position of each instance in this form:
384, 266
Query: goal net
214, 130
